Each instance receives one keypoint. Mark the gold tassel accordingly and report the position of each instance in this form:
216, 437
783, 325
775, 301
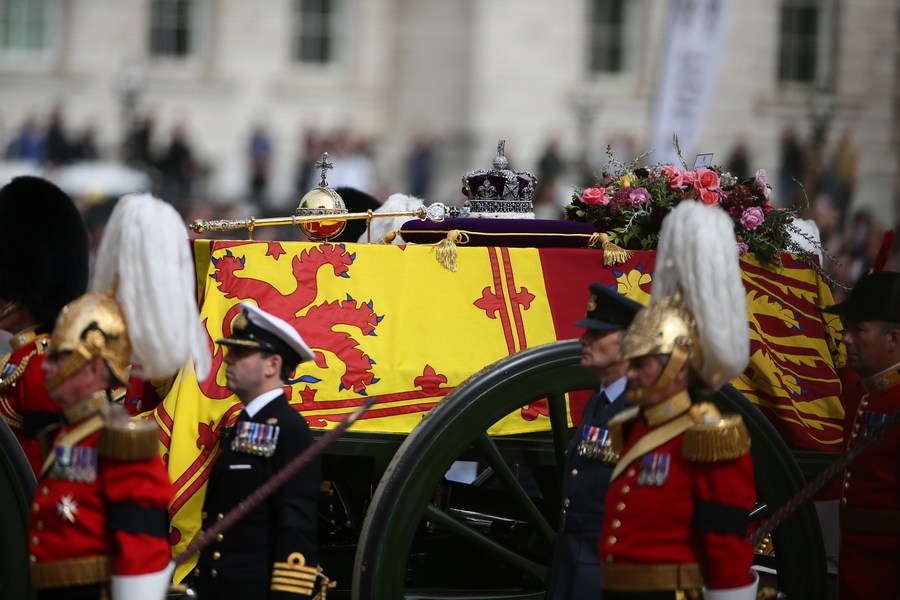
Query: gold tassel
388, 238
445, 253
612, 254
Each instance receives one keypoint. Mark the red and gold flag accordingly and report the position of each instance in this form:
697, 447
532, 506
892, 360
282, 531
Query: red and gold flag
389, 321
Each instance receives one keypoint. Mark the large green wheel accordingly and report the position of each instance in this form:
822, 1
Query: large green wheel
427, 538
16, 490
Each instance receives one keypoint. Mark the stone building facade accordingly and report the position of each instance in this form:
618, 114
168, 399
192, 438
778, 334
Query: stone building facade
464, 73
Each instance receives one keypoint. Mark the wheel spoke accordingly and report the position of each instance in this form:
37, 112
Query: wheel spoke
432, 513
559, 423
492, 455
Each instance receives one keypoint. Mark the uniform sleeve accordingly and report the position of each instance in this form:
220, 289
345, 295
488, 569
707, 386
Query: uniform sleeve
28, 409
726, 492
296, 513
138, 495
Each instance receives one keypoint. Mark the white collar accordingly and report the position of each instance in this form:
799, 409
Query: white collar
616, 388
258, 403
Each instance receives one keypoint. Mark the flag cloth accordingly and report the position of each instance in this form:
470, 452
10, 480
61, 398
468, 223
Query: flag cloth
389, 321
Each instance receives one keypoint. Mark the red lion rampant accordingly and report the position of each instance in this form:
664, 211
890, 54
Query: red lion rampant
316, 326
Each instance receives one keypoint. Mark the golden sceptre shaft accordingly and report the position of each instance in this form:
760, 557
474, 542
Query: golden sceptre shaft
436, 212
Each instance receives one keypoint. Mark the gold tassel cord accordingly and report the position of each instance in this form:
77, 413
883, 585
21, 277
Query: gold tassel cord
446, 253
612, 254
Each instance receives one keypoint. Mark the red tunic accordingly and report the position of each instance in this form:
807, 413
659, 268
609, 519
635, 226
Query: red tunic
867, 567
100, 506
24, 403
652, 524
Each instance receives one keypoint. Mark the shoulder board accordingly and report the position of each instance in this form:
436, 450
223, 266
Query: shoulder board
127, 439
716, 438
615, 425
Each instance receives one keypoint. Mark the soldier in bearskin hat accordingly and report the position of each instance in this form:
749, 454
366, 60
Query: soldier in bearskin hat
44, 246
678, 500
870, 502
99, 524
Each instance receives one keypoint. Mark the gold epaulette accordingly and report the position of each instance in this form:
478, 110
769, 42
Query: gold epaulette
294, 576
615, 425
715, 437
127, 439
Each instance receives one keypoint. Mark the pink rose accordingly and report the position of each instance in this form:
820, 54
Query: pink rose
762, 180
752, 218
638, 196
707, 179
594, 195
674, 177
742, 249
709, 197
689, 176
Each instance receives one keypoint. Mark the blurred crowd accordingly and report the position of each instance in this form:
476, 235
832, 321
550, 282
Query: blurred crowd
817, 175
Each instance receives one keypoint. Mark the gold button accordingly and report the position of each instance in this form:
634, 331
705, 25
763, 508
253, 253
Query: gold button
846, 484
34, 540
616, 523
35, 507
847, 475
843, 501
611, 540
213, 573
45, 490
609, 558
626, 489
216, 555
331, 508
203, 515
219, 517
220, 537
630, 473
855, 426
39, 525
574, 472
566, 502
853, 436
196, 572
620, 506
32, 558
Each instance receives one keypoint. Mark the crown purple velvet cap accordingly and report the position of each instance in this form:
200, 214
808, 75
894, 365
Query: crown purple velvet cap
499, 189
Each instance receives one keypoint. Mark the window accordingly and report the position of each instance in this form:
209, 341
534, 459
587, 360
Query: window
28, 27
317, 35
805, 41
606, 35
173, 28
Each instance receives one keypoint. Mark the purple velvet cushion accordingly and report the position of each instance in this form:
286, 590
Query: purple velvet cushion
516, 233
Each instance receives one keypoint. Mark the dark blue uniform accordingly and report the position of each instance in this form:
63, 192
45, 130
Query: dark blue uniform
240, 565
575, 570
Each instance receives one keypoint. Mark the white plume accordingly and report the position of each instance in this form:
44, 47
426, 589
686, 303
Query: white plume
698, 254
145, 244
380, 227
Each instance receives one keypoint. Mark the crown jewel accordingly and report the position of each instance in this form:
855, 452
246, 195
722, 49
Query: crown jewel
499, 190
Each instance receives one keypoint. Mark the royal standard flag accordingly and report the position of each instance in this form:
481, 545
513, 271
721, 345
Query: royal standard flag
389, 321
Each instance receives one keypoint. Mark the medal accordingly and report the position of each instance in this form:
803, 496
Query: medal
258, 439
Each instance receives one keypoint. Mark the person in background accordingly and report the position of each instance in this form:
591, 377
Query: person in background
575, 569
271, 552
870, 502
45, 248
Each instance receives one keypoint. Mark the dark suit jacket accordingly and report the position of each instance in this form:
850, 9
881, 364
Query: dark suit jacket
282, 524
575, 570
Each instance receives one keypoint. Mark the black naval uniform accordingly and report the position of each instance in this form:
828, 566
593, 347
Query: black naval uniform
278, 536
575, 570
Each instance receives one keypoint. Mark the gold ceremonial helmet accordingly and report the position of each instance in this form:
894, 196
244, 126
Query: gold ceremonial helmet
664, 327
93, 325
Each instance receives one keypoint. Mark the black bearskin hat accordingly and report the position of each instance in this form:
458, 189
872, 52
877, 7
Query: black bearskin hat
356, 201
43, 247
